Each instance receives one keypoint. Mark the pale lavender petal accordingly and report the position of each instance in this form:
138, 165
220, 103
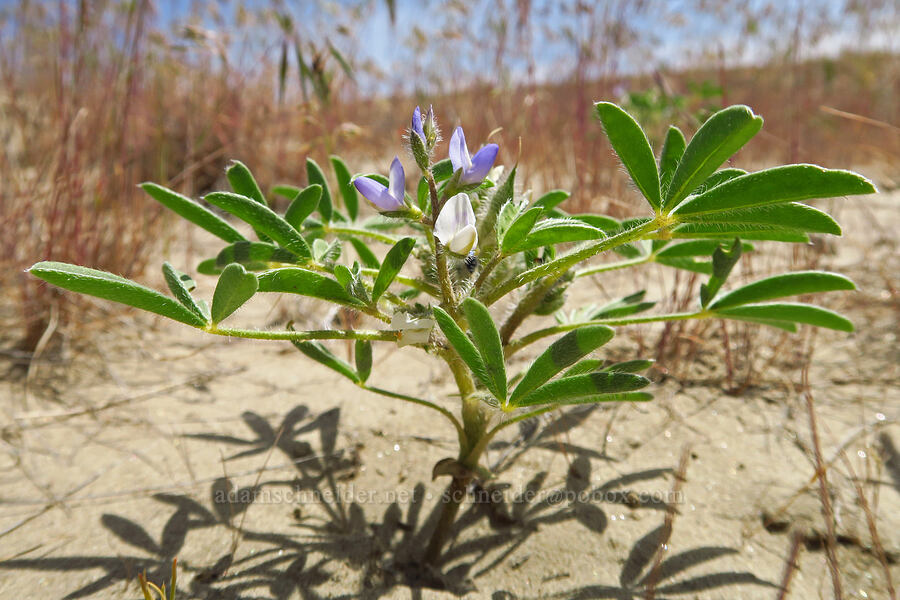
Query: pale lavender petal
397, 180
459, 154
377, 194
417, 123
482, 163
369, 188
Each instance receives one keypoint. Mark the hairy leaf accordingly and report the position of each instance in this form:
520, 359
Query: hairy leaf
393, 262
294, 280
113, 287
193, 212
347, 189
562, 353
630, 143
781, 286
718, 138
314, 175
591, 387
487, 340
234, 288
263, 219
790, 312
303, 204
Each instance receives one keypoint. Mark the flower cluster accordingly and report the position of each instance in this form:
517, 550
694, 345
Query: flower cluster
455, 224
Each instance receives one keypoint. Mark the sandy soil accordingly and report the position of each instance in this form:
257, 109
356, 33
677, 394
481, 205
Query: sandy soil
120, 455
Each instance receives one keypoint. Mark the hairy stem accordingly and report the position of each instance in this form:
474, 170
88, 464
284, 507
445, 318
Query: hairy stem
299, 336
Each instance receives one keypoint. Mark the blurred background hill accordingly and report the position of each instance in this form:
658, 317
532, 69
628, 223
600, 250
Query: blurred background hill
98, 96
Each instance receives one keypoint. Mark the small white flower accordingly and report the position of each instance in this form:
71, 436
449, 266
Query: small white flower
412, 331
455, 225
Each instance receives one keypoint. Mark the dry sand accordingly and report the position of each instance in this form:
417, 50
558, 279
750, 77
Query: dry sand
117, 462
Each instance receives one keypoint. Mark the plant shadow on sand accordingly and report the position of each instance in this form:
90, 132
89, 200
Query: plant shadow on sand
386, 551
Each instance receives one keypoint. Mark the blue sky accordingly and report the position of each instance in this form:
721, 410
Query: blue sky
370, 35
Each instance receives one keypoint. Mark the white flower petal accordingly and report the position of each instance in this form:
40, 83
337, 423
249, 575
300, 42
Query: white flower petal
464, 241
456, 214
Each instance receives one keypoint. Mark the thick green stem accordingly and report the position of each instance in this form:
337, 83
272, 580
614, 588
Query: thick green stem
486, 271
452, 499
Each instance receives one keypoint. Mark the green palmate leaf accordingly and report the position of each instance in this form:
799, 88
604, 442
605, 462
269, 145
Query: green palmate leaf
487, 340
623, 307
193, 212
591, 387
772, 314
113, 287
799, 217
781, 286
789, 183
629, 366
463, 346
717, 178
368, 258
562, 353
347, 189
630, 143
306, 283
694, 248
262, 218
556, 231
254, 253
748, 231
519, 228
393, 262
363, 355
722, 263
234, 288
321, 354
303, 204
315, 175
552, 199
181, 285
718, 138
672, 151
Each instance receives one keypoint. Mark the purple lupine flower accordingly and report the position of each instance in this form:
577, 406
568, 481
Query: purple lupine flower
385, 199
455, 225
474, 169
416, 126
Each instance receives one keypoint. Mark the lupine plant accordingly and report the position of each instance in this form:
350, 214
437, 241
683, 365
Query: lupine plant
456, 265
